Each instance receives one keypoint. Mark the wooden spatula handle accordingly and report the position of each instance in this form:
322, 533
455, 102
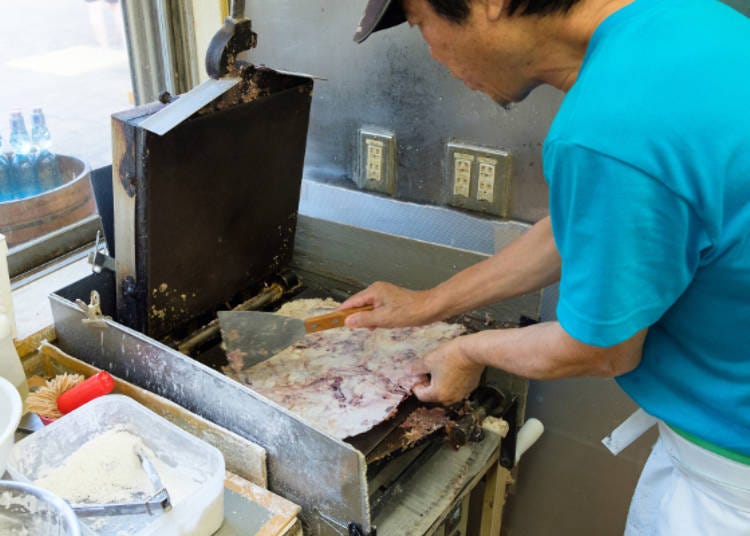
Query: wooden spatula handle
332, 320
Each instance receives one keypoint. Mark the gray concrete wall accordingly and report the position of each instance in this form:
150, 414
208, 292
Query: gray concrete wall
391, 82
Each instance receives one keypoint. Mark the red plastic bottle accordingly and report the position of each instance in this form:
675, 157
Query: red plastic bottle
99, 384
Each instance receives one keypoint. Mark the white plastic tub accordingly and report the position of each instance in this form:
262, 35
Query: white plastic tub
198, 504
10, 415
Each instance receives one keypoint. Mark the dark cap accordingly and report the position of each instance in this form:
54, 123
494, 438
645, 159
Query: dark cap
379, 15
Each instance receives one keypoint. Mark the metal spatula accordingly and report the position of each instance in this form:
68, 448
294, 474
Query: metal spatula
258, 336
158, 503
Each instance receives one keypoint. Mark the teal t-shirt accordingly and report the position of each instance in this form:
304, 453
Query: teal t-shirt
648, 163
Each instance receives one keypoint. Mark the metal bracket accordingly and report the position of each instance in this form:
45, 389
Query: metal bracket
93, 310
100, 261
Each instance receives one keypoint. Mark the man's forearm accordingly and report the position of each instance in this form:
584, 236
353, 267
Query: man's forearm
529, 263
545, 351
542, 351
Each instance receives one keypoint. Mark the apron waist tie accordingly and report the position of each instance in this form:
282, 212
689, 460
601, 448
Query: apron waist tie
631, 429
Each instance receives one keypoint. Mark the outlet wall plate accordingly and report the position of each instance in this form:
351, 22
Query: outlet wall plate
478, 178
376, 160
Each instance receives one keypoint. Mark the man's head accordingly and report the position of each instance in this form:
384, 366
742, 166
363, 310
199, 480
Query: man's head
458, 10
491, 45
382, 14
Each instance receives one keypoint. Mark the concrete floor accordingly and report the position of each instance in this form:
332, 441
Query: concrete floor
67, 56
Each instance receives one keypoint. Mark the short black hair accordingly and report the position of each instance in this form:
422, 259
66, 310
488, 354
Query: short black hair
458, 10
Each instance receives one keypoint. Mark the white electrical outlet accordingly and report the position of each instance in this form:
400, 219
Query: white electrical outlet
478, 178
374, 159
375, 167
462, 164
486, 182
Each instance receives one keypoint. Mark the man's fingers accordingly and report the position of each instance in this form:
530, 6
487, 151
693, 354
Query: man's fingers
368, 319
358, 320
373, 295
358, 300
425, 392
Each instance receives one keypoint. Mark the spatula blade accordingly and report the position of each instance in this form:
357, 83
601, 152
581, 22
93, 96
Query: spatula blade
254, 336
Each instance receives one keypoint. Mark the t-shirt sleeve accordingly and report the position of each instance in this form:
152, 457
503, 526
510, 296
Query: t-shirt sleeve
629, 245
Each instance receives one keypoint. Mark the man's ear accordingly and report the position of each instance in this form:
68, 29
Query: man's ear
494, 9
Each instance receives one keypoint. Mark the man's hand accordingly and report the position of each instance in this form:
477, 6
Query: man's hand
393, 307
529, 263
453, 375
542, 351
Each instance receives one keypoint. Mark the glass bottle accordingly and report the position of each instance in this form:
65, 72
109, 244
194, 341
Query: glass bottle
47, 165
6, 176
22, 162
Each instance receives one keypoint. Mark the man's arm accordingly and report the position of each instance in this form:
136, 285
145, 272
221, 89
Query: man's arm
542, 351
529, 263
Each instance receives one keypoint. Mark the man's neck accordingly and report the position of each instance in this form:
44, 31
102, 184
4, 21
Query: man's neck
562, 40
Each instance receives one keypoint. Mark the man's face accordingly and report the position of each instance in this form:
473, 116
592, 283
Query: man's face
472, 52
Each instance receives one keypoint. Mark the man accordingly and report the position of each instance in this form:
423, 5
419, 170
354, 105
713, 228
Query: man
648, 165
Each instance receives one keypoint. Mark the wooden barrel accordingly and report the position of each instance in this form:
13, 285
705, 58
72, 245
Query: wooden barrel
25, 219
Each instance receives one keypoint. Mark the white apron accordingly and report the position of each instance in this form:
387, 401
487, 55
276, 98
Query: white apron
684, 489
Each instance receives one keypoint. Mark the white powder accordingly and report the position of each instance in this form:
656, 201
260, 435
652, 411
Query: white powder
106, 469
